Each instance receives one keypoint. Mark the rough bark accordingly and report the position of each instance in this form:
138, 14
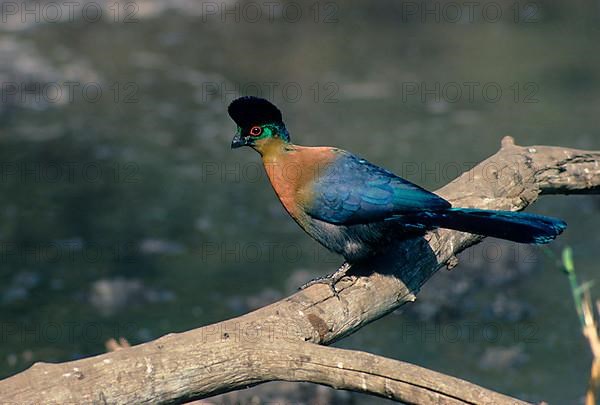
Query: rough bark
279, 341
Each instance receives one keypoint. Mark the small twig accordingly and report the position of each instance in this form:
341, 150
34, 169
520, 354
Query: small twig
589, 326
576, 290
112, 345
590, 331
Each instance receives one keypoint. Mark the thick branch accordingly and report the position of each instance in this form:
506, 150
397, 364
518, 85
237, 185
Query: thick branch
268, 344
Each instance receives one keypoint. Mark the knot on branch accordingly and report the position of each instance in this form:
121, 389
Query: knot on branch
507, 142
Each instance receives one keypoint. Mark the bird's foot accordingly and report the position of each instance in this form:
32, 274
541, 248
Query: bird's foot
330, 279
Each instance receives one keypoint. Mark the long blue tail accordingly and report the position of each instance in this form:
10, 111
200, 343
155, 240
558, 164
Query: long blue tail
514, 226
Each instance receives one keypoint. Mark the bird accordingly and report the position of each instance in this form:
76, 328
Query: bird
356, 208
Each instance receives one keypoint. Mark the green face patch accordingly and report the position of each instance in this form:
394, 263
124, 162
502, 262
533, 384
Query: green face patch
258, 132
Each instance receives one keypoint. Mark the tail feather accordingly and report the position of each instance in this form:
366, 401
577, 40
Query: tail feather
514, 226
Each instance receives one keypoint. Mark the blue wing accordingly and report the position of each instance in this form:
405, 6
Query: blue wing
353, 191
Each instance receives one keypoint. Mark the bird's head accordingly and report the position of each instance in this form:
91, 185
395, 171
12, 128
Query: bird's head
259, 123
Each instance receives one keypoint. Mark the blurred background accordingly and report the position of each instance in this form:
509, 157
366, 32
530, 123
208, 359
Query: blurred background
124, 213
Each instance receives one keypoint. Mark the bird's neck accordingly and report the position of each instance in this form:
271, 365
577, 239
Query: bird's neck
271, 149
276, 156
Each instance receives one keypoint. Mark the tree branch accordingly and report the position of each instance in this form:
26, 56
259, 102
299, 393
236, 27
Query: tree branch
277, 342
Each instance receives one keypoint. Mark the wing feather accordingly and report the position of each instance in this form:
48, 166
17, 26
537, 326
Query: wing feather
353, 191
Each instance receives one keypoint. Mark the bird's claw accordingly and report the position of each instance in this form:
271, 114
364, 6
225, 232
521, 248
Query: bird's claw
323, 280
330, 279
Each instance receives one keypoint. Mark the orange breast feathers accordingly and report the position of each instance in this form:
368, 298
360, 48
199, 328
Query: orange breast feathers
292, 170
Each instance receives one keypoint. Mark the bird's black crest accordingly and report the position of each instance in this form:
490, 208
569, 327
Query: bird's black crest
248, 111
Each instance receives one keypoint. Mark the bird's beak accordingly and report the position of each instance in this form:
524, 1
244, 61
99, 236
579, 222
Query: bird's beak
237, 142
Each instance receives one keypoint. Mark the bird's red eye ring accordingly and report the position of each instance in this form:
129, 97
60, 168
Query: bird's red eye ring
256, 131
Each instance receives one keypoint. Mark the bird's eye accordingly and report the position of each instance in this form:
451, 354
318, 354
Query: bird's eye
256, 131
